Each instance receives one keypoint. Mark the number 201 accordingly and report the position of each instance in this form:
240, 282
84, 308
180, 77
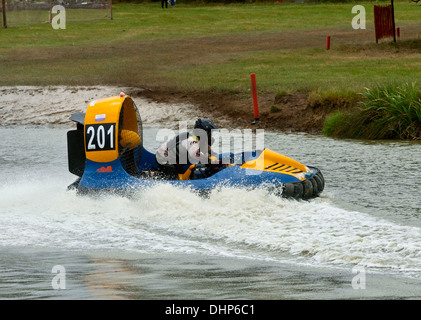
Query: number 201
100, 137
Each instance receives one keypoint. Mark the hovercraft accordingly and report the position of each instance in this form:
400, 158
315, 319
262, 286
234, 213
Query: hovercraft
106, 152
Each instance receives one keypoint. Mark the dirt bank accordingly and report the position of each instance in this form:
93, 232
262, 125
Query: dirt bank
53, 106
289, 112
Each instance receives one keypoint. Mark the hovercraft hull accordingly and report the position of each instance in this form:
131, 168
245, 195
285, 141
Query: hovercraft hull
106, 152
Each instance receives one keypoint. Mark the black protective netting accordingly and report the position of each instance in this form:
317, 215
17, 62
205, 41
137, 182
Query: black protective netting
130, 136
30, 12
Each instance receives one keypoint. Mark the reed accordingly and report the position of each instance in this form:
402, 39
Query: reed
385, 112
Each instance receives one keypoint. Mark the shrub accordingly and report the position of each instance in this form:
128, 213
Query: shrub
384, 113
396, 111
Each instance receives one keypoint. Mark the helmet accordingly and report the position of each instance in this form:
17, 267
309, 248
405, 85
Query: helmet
207, 125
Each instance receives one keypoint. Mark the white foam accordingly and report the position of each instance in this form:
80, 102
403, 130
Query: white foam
230, 222
36, 209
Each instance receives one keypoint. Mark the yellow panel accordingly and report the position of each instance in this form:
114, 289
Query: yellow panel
104, 111
186, 175
275, 162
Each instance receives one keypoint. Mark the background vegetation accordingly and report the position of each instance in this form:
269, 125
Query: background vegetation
385, 112
213, 48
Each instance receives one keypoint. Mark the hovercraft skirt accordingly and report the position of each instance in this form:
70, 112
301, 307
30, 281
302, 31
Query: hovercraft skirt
307, 189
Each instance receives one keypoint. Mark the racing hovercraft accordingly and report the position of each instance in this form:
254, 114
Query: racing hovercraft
106, 152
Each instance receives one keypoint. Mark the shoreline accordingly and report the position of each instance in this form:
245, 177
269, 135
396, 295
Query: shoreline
290, 112
296, 112
53, 105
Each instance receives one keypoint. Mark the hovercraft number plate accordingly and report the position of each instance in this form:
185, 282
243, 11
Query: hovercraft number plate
100, 137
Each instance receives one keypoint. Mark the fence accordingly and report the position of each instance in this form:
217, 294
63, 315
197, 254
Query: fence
29, 12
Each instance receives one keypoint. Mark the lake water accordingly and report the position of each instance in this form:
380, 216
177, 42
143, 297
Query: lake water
169, 243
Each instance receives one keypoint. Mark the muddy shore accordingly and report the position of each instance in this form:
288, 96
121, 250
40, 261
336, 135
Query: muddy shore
53, 105
289, 112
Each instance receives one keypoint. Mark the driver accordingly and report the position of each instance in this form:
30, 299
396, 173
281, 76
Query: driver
176, 155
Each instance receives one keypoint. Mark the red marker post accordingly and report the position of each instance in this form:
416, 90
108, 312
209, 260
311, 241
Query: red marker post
328, 43
255, 104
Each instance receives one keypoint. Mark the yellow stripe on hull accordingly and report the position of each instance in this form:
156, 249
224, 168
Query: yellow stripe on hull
275, 162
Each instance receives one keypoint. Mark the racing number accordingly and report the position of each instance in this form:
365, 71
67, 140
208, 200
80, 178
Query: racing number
100, 137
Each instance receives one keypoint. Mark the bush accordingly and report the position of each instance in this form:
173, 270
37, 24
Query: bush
397, 109
383, 113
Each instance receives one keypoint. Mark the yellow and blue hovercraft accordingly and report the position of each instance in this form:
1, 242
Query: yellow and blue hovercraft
106, 153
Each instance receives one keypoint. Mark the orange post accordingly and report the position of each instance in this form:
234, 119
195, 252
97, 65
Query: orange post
255, 104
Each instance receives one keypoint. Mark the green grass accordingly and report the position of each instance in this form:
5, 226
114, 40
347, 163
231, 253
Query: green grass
299, 63
303, 70
149, 21
384, 112
107, 50
213, 48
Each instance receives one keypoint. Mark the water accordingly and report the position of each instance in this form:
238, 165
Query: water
169, 243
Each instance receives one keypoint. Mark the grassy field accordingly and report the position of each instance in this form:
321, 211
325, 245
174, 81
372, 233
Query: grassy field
214, 48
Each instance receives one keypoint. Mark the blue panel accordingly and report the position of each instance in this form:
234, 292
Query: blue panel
147, 161
113, 176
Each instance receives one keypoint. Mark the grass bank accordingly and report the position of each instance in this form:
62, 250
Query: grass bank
384, 112
213, 48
